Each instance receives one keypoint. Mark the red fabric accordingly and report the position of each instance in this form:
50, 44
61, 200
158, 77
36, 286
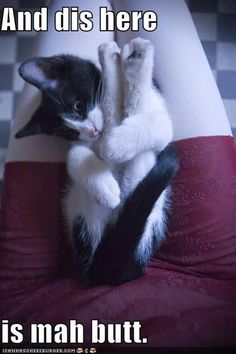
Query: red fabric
188, 294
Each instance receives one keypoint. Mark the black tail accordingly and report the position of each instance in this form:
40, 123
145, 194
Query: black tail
114, 261
83, 249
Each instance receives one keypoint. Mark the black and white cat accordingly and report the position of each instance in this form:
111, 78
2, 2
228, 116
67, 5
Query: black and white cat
116, 205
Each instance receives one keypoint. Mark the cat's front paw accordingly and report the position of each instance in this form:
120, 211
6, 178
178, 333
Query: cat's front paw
108, 52
137, 58
115, 147
105, 191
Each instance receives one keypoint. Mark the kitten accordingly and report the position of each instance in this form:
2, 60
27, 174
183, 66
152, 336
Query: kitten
119, 190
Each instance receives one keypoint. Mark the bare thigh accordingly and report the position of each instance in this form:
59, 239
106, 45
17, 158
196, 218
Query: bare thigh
181, 68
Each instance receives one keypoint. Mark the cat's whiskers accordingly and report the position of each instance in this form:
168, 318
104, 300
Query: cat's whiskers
101, 86
92, 93
61, 99
54, 98
99, 95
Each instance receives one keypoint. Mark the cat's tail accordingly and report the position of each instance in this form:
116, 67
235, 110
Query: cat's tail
118, 258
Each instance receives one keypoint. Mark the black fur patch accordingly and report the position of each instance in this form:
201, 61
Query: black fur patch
83, 250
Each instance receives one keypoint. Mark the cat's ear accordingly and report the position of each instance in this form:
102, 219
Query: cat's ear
43, 73
40, 123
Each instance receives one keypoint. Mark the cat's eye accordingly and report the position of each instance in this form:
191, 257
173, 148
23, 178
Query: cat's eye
78, 107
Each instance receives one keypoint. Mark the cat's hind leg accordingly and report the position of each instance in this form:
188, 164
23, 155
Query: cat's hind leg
87, 171
92, 194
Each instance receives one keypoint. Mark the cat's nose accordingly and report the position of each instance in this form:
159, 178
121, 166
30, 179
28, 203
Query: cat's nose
93, 133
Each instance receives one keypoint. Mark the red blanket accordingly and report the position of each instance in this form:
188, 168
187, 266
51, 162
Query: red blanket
188, 294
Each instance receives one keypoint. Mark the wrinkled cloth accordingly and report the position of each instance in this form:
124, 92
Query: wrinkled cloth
188, 294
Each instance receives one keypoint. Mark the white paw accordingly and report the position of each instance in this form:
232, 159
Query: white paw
115, 147
138, 48
108, 52
105, 191
137, 57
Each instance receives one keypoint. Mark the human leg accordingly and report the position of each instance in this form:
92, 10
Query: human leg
181, 68
31, 222
202, 231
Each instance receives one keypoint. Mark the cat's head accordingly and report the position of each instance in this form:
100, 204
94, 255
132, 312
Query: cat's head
71, 95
